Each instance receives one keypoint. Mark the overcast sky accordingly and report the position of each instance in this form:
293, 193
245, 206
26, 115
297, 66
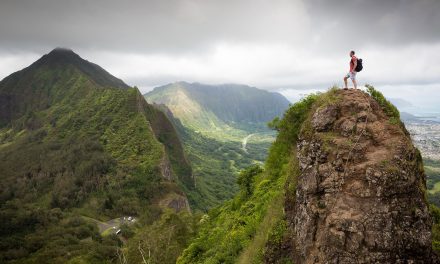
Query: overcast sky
294, 46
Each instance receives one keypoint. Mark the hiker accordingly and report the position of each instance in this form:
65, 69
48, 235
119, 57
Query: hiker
352, 73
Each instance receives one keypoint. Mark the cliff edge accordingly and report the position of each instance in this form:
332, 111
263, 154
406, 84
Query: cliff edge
360, 193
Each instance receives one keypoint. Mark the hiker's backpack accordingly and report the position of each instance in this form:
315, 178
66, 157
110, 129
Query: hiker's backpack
359, 66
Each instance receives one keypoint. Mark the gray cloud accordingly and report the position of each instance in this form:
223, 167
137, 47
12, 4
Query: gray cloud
196, 25
145, 26
276, 45
377, 22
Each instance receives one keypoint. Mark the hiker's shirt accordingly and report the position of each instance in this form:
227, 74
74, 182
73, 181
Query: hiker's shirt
352, 61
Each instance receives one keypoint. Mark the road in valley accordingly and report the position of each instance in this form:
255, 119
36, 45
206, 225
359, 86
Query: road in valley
244, 142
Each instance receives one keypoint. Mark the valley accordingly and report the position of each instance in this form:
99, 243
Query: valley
223, 130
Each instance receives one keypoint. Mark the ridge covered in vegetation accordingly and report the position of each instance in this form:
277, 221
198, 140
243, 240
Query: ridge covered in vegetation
76, 144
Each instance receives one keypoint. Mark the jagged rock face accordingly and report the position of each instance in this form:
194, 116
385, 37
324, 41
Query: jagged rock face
165, 168
360, 196
179, 204
176, 201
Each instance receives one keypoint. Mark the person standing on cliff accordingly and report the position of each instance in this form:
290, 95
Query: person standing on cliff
352, 73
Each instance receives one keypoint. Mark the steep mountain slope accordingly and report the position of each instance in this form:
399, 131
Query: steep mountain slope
224, 111
76, 141
343, 183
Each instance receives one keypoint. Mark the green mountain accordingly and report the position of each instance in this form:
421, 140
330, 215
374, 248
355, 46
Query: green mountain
224, 112
79, 147
224, 130
340, 178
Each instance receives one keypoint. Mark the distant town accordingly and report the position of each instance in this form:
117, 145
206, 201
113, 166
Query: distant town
425, 134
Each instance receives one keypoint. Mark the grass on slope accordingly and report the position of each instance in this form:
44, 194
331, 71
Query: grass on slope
230, 228
432, 170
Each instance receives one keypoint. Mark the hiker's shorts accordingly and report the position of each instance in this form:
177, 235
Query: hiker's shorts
351, 75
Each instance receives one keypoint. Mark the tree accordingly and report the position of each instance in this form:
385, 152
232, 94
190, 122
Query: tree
246, 179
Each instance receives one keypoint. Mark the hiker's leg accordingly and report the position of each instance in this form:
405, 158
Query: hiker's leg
354, 83
345, 81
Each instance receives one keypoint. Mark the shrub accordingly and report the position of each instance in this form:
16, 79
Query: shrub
435, 213
246, 179
390, 110
288, 128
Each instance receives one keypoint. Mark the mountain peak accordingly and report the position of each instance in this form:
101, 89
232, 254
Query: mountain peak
62, 51
64, 57
60, 56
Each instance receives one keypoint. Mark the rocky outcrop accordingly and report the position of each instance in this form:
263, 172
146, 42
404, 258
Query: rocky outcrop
360, 196
175, 201
179, 204
165, 168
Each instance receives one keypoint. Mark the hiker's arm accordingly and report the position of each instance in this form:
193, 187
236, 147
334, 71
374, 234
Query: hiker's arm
355, 63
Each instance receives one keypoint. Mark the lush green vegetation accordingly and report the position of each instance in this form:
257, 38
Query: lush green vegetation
215, 164
162, 241
215, 167
226, 231
390, 110
432, 170
248, 228
52, 236
73, 147
435, 213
